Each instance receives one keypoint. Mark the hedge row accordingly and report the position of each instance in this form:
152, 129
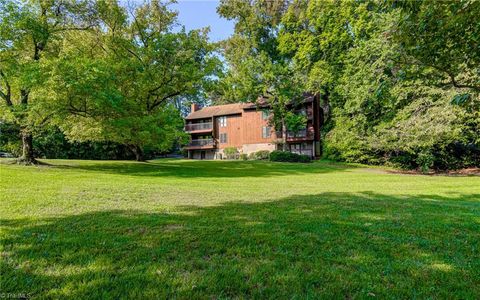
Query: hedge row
286, 156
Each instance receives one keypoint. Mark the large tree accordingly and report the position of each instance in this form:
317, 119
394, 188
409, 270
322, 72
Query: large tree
391, 70
31, 33
120, 82
256, 68
401, 77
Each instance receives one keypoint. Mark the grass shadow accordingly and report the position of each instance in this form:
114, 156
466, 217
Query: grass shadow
330, 245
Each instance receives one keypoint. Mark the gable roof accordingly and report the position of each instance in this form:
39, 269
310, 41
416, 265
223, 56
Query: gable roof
235, 108
218, 110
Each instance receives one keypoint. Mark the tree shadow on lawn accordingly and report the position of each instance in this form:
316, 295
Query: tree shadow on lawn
214, 169
331, 245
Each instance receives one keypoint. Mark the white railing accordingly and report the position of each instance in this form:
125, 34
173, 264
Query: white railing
304, 152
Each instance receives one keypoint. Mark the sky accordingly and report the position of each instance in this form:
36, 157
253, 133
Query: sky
194, 14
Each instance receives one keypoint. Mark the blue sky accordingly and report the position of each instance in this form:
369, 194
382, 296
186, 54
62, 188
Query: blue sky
194, 14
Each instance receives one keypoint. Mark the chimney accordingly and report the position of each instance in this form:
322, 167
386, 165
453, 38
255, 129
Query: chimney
195, 107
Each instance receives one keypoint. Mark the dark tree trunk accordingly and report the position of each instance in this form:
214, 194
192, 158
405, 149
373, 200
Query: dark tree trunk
28, 157
24, 97
284, 135
325, 106
138, 151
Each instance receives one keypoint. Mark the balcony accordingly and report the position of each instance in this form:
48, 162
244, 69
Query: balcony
199, 127
307, 112
308, 152
201, 144
297, 136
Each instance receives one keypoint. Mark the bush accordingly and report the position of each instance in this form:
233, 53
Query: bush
304, 158
285, 156
243, 156
262, 155
425, 161
259, 155
230, 152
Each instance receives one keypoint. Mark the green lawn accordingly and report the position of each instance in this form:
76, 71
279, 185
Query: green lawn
215, 229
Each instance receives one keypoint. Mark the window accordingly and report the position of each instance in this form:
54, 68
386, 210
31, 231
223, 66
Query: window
266, 132
223, 138
265, 114
222, 121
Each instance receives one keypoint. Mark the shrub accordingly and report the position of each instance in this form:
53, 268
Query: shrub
259, 155
243, 156
230, 152
425, 161
286, 156
304, 158
262, 155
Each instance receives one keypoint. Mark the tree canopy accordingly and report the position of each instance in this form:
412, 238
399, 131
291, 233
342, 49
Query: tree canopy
398, 80
114, 78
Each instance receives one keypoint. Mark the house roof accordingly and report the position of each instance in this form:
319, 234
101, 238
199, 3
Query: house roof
218, 110
234, 108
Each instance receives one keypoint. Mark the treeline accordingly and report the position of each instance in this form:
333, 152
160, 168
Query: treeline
97, 75
399, 80
52, 143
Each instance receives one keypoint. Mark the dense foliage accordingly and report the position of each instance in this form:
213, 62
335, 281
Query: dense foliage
31, 34
100, 71
52, 143
260, 155
399, 80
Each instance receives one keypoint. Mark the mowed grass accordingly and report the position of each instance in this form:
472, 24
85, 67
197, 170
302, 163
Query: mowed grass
228, 229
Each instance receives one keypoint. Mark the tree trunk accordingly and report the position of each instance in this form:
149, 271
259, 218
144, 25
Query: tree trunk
138, 151
24, 96
284, 135
325, 106
28, 157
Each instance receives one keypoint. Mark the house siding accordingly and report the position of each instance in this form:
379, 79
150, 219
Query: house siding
245, 132
233, 130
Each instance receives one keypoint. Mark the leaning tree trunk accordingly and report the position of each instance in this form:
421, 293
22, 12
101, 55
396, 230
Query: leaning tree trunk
138, 151
28, 157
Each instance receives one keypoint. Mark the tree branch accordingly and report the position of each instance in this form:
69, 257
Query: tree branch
75, 28
140, 32
158, 102
457, 85
7, 96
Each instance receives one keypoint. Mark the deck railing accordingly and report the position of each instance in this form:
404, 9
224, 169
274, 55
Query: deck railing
198, 126
297, 134
304, 152
304, 133
201, 142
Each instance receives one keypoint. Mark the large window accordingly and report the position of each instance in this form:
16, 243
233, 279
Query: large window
222, 121
265, 114
223, 138
266, 132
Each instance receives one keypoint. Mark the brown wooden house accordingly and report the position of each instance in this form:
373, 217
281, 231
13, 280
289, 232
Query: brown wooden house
247, 127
